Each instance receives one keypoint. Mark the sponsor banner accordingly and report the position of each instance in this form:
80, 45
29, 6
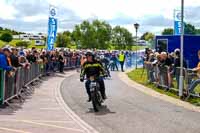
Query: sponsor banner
52, 28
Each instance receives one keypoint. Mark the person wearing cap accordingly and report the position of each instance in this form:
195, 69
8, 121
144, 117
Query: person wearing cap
93, 68
3, 60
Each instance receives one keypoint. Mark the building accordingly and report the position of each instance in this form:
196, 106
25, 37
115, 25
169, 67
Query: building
30, 36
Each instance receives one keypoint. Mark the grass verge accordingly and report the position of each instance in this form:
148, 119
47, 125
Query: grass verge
140, 76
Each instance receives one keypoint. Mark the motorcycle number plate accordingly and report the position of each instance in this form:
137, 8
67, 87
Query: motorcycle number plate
92, 89
92, 86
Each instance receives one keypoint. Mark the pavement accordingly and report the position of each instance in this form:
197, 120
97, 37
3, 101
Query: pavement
128, 109
43, 112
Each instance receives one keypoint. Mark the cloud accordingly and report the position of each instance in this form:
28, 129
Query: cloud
153, 15
30, 7
32, 16
21, 25
192, 15
7, 11
157, 21
122, 19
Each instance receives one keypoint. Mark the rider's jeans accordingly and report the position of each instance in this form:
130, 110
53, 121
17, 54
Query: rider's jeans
101, 83
193, 85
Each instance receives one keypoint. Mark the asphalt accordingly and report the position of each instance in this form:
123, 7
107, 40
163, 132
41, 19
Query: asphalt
128, 110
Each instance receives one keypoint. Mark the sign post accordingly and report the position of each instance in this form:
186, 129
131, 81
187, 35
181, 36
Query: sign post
181, 83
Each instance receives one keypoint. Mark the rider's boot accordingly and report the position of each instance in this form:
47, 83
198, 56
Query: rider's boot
104, 97
89, 98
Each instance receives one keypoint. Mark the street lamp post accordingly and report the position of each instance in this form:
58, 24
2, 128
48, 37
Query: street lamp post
182, 43
136, 25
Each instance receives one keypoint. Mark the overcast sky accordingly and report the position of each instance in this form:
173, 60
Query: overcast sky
152, 15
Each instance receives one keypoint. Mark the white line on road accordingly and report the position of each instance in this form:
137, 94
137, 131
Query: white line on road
53, 126
13, 130
50, 108
45, 121
86, 127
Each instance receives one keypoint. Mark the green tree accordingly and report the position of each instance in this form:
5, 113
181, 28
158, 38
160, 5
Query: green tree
102, 34
147, 36
76, 36
23, 44
197, 31
68, 33
63, 40
168, 31
92, 35
189, 29
6, 37
88, 35
121, 38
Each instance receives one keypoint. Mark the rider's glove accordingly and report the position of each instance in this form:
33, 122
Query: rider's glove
105, 76
81, 79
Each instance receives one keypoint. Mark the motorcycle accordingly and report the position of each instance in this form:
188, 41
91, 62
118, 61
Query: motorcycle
96, 97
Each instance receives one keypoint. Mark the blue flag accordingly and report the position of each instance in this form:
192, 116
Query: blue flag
52, 29
177, 22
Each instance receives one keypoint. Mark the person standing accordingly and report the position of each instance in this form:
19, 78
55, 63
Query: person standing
3, 60
15, 58
113, 62
121, 60
177, 63
196, 82
61, 62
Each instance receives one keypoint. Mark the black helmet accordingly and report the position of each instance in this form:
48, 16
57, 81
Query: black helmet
89, 53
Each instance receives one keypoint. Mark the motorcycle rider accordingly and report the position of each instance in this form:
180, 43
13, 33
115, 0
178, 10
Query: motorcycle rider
93, 67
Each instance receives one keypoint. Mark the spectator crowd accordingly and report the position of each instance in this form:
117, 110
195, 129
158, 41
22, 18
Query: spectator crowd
163, 67
58, 59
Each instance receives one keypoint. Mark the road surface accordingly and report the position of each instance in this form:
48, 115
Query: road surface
128, 110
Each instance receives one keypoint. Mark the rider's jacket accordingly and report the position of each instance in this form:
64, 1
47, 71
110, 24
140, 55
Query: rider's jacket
94, 68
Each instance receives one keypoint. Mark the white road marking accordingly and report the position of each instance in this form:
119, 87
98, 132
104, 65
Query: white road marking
86, 127
13, 130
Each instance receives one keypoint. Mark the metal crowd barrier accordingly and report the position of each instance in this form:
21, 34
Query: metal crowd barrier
12, 86
72, 62
161, 76
191, 77
2, 85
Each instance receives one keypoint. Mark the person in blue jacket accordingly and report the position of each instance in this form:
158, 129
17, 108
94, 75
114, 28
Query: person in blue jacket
3, 60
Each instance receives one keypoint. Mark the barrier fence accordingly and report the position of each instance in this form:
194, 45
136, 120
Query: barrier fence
164, 77
12, 86
15, 84
2, 83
